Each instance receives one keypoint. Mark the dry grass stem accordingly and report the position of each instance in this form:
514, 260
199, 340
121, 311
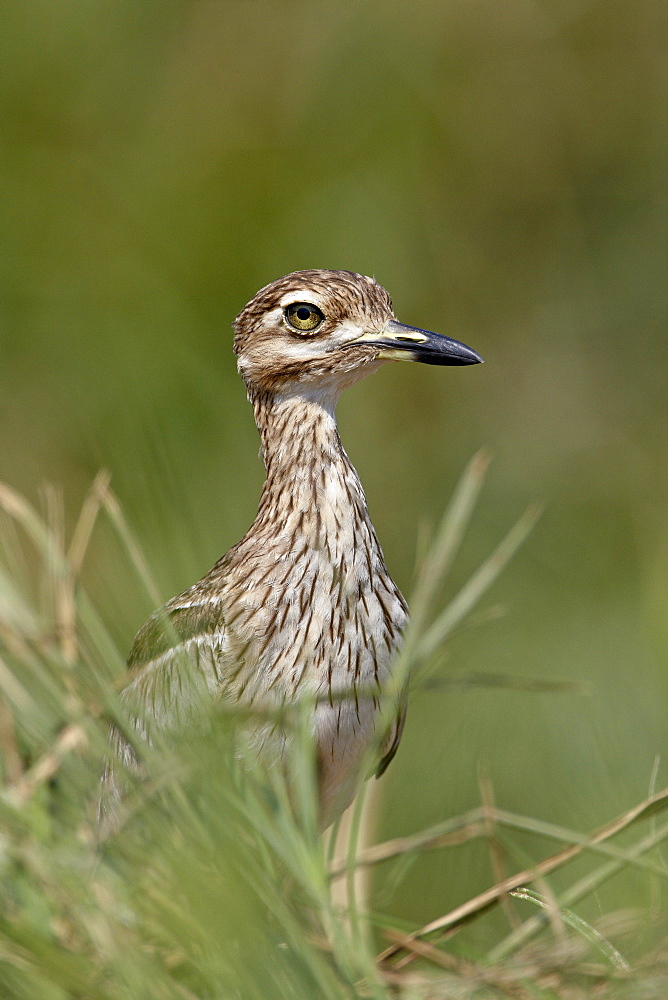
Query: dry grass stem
491, 896
73, 737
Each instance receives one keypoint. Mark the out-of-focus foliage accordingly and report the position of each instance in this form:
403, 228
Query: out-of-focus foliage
500, 168
209, 878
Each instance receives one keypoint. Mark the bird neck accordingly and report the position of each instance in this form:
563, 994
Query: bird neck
306, 465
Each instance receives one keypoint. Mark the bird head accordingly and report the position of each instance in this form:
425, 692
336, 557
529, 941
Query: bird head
319, 331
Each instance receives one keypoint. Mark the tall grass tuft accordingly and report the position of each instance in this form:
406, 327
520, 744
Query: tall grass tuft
212, 881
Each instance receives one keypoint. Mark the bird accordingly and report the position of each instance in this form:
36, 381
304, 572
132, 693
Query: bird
303, 604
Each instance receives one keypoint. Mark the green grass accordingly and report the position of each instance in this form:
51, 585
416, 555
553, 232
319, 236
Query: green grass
212, 882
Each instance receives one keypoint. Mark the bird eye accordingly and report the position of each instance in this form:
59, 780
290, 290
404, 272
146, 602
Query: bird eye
304, 316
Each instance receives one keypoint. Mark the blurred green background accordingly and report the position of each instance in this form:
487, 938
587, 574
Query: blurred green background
499, 168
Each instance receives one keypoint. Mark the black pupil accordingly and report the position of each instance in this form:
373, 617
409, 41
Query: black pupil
303, 313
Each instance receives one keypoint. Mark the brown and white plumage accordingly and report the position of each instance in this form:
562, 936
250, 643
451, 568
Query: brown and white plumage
304, 602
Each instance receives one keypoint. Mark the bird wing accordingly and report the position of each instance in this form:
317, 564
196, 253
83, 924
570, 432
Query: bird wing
177, 658
177, 662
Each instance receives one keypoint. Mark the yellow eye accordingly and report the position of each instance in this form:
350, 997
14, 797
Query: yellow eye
304, 316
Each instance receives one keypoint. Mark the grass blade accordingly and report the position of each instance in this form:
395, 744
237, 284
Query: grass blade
481, 580
581, 926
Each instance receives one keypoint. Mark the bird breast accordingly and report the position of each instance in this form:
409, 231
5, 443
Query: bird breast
317, 615
316, 611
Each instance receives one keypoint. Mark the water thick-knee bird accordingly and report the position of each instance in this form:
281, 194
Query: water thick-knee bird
304, 602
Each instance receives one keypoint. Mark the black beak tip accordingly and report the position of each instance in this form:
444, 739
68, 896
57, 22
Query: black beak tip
454, 358
462, 354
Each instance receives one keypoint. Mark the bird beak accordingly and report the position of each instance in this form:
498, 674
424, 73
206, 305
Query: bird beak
398, 342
